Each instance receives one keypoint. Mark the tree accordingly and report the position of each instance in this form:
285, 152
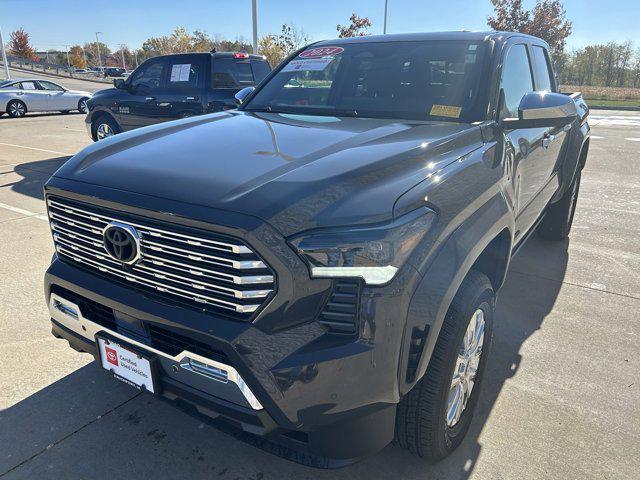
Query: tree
357, 28
19, 45
269, 47
77, 58
547, 20
291, 38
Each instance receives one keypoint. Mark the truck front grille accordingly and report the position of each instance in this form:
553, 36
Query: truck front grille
205, 269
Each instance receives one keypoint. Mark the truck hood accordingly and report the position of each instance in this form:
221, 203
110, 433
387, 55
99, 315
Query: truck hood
296, 172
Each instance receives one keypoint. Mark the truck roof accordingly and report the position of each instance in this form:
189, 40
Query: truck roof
424, 36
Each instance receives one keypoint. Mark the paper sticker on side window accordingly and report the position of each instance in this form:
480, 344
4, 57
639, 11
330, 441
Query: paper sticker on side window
180, 72
308, 64
321, 52
445, 111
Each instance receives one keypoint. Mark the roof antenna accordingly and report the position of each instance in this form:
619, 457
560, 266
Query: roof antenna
213, 50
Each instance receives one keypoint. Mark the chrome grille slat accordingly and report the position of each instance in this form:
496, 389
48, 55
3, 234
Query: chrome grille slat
153, 231
170, 269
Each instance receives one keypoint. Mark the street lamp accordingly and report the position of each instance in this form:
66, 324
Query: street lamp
254, 14
124, 65
7, 75
98, 47
384, 28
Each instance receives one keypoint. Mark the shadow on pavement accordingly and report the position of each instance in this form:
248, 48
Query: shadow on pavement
33, 176
118, 431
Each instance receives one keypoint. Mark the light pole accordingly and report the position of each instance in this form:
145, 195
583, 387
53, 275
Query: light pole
68, 61
7, 75
384, 28
135, 54
254, 12
98, 47
124, 65
84, 57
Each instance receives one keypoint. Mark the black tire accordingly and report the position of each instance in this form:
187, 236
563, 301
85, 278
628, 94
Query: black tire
106, 122
16, 108
421, 419
558, 218
82, 105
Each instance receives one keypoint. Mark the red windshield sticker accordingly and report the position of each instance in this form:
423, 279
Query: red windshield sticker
321, 52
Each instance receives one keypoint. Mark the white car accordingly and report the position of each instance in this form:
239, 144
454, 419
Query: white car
19, 96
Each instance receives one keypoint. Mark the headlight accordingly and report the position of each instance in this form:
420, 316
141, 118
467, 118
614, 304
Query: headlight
372, 253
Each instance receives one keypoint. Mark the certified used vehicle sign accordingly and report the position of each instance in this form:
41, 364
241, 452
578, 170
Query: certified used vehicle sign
126, 365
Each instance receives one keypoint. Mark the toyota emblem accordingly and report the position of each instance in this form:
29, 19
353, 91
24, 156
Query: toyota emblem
122, 242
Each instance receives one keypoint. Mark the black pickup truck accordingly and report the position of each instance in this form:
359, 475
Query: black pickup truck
317, 270
170, 87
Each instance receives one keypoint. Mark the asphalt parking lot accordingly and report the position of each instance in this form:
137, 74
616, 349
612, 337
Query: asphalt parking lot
560, 399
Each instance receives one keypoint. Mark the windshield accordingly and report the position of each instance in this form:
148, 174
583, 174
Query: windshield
423, 80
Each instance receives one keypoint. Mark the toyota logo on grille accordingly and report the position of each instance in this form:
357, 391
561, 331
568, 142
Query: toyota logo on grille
122, 242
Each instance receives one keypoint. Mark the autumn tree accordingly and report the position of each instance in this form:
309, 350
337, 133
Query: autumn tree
270, 48
547, 20
357, 28
19, 45
77, 58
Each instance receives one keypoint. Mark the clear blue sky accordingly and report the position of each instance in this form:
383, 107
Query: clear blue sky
53, 23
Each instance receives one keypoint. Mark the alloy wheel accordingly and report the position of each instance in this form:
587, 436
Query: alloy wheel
466, 369
104, 130
17, 109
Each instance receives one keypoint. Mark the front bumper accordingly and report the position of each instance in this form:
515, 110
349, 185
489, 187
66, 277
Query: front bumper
288, 379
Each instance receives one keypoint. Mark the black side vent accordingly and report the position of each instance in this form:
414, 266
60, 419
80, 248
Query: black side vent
94, 311
418, 341
173, 343
340, 313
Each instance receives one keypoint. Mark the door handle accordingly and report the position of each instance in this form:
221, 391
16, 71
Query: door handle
191, 98
548, 140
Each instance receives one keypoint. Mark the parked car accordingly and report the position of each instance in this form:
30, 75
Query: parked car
319, 267
80, 70
19, 96
171, 87
114, 72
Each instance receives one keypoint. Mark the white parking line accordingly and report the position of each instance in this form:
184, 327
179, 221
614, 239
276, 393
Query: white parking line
596, 137
22, 211
36, 149
633, 139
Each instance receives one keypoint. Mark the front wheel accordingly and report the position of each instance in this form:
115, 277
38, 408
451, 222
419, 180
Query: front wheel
433, 418
104, 127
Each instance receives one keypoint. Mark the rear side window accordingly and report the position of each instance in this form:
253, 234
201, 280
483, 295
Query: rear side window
28, 86
542, 69
232, 73
260, 70
516, 80
185, 72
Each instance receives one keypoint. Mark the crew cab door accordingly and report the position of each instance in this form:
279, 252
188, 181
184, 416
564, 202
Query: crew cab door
183, 94
138, 106
532, 160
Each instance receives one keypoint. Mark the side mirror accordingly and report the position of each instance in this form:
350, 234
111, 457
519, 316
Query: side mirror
118, 83
242, 94
543, 109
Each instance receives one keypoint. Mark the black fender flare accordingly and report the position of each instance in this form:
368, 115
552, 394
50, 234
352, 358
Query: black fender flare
442, 279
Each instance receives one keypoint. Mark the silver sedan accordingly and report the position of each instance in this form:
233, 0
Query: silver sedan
17, 97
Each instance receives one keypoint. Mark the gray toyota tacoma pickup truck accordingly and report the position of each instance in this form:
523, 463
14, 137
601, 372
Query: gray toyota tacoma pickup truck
317, 270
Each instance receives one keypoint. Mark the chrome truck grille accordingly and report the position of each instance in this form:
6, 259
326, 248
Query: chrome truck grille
204, 269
